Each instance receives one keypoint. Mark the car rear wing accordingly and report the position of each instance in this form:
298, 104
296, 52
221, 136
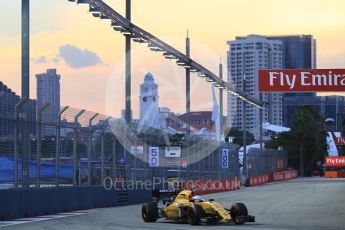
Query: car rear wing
158, 194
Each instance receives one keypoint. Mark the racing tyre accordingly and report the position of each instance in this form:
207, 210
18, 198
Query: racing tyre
238, 211
149, 212
194, 215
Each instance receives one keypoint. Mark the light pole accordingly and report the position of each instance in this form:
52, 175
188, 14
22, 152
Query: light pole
128, 114
25, 48
188, 84
244, 122
25, 88
221, 98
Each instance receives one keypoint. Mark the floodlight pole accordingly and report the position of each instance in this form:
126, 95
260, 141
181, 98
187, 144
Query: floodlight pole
128, 114
244, 122
25, 90
221, 98
25, 48
188, 84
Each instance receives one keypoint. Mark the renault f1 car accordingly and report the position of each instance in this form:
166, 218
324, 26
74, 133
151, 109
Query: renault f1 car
183, 206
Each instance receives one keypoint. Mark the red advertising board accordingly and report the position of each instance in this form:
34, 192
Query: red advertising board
282, 176
212, 186
339, 140
302, 80
258, 180
335, 161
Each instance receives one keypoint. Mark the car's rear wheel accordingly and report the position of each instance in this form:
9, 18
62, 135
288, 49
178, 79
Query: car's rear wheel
149, 212
238, 211
194, 215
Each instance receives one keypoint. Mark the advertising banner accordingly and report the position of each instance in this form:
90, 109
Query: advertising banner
153, 157
173, 151
302, 80
339, 140
335, 161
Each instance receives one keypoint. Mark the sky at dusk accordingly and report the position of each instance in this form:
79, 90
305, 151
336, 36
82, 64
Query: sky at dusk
89, 55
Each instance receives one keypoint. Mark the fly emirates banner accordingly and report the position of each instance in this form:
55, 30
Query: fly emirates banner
302, 80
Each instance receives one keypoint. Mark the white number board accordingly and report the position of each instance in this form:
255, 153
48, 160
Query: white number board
225, 158
153, 157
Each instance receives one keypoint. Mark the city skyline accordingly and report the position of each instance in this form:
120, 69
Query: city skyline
245, 57
60, 31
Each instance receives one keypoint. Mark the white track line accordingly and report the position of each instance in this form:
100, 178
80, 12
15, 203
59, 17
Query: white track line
48, 217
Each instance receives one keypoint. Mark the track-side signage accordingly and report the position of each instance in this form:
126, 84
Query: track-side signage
225, 158
302, 80
153, 157
335, 161
339, 140
173, 151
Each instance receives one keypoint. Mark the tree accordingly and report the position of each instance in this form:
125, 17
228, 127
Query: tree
238, 136
306, 142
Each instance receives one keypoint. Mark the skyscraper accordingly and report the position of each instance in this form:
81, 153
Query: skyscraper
149, 102
246, 56
299, 52
48, 91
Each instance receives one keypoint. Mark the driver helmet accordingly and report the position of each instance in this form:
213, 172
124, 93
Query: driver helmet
197, 198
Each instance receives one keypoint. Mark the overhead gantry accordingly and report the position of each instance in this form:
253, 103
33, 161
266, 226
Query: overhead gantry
100, 9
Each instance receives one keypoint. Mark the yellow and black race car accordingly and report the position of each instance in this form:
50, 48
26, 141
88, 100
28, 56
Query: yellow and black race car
184, 206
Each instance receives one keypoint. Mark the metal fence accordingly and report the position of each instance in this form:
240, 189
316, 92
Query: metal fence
265, 161
81, 148
41, 147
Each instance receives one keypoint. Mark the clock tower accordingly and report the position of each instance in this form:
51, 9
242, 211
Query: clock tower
149, 102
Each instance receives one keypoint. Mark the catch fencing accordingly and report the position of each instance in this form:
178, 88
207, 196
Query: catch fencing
48, 147
264, 161
73, 147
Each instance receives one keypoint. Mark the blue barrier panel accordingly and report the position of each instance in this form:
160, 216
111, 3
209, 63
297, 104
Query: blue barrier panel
45, 201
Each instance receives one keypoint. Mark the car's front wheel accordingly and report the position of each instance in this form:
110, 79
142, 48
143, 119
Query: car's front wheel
149, 212
238, 212
194, 215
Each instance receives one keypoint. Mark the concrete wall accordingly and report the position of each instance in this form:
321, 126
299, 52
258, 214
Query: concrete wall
36, 202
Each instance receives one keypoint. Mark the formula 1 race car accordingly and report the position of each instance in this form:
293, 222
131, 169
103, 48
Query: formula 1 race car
183, 206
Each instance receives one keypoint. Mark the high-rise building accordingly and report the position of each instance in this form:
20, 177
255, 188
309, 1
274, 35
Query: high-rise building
333, 107
48, 91
246, 56
299, 52
149, 102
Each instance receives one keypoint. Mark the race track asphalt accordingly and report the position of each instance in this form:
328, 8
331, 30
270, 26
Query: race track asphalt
304, 203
